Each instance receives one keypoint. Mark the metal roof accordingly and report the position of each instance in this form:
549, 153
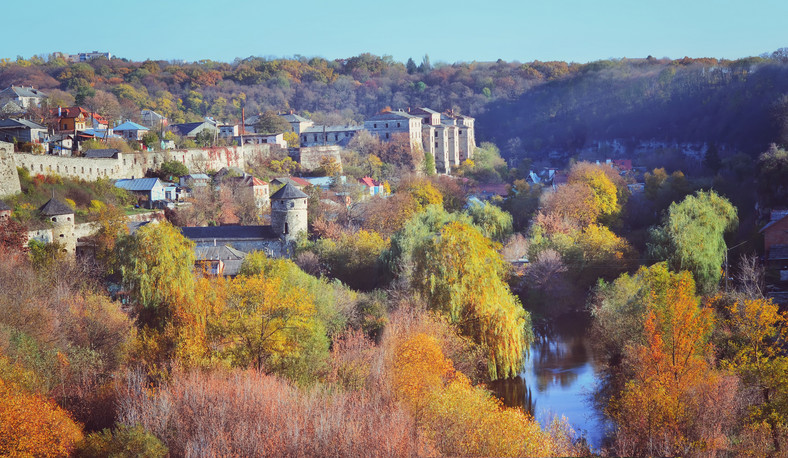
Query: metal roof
4, 206
130, 125
209, 233
22, 91
331, 129
218, 253
138, 184
101, 153
55, 207
17, 123
289, 117
289, 191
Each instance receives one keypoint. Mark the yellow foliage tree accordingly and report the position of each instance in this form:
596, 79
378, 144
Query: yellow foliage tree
458, 418
460, 273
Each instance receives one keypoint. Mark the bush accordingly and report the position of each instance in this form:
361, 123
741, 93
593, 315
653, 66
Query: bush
120, 442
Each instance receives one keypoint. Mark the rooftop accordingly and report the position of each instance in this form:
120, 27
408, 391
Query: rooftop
130, 125
138, 184
55, 207
4, 206
290, 117
321, 129
101, 153
289, 191
229, 233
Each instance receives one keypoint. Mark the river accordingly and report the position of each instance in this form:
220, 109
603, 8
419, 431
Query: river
559, 378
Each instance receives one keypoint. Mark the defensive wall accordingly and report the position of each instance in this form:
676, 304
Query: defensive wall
9, 180
309, 156
128, 165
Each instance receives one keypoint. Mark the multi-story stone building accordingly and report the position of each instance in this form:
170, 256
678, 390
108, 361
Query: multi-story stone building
328, 135
385, 125
448, 137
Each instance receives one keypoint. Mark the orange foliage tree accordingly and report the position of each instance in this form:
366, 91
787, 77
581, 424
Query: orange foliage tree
661, 403
31, 425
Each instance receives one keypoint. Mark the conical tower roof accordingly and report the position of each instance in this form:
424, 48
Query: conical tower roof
54, 208
289, 191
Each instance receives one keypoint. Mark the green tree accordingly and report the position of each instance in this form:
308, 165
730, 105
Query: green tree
156, 266
461, 275
495, 223
271, 123
172, 169
692, 237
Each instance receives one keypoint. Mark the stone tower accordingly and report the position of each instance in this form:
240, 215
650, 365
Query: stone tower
288, 212
62, 218
9, 180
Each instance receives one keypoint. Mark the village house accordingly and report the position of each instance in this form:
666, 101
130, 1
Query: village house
5, 211
147, 190
152, 120
298, 123
24, 97
218, 260
191, 129
21, 130
130, 130
775, 243
385, 125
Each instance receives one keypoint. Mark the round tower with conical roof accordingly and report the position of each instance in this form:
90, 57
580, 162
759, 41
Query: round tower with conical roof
62, 218
289, 212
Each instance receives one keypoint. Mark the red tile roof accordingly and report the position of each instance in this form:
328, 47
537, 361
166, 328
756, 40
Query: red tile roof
367, 181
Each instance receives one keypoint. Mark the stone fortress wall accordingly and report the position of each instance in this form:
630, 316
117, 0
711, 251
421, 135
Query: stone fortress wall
9, 180
129, 165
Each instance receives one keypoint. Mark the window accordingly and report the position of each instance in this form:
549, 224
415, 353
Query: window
287, 228
387, 135
375, 126
460, 131
398, 125
54, 219
387, 124
436, 144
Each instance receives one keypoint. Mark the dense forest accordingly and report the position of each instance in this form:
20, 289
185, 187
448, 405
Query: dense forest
548, 105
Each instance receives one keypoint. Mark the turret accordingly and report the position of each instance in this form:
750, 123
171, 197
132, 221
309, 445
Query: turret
289, 212
62, 218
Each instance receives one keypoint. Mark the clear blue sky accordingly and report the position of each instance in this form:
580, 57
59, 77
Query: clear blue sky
456, 30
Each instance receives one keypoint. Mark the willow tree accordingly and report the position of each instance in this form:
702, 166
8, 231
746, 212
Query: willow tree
156, 266
692, 237
460, 273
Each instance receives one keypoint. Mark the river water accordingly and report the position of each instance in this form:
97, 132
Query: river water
559, 378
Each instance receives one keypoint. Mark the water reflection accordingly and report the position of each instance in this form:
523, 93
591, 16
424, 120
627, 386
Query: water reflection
559, 378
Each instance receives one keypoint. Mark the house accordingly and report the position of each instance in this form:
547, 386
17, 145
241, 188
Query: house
152, 120
103, 153
324, 182
195, 180
191, 129
328, 135
21, 130
130, 130
375, 188
229, 130
298, 123
147, 190
11, 109
253, 187
218, 260
77, 118
261, 139
24, 97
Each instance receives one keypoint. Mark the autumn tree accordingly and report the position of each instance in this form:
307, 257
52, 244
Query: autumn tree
460, 273
271, 123
156, 266
31, 425
692, 237
757, 343
354, 258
